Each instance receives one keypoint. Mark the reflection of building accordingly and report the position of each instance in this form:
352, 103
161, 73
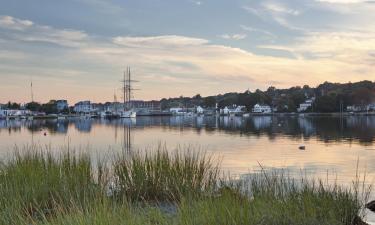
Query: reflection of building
259, 108
262, 122
306, 125
83, 125
83, 107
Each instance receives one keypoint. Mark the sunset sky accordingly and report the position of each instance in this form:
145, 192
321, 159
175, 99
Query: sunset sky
78, 49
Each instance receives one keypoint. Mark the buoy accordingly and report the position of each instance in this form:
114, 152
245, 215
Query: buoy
302, 147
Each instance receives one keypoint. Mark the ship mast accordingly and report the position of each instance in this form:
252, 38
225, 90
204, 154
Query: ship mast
127, 88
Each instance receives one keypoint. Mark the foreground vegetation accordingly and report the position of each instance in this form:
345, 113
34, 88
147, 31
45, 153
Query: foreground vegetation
185, 187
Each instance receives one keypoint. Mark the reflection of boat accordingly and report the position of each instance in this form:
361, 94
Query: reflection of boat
128, 114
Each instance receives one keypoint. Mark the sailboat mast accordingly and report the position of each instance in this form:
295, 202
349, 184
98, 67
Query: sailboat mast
31, 89
129, 88
124, 89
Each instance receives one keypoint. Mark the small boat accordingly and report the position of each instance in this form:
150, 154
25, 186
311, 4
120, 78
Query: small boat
246, 115
30, 118
302, 147
128, 114
61, 118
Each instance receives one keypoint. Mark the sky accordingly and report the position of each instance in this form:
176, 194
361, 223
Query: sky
78, 49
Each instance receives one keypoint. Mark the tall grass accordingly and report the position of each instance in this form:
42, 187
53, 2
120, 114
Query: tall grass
37, 187
163, 176
35, 184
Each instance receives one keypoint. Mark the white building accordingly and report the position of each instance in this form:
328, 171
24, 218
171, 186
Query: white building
306, 105
83, 107
176, 110
259, 108
233, 110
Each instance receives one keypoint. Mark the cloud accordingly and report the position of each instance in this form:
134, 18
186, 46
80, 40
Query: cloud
170, 65
344, 1
252, 29
233, 36
278, 8
13, 23
27, 31
159, 41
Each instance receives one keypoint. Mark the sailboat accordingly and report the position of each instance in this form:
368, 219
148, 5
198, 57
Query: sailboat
128, 111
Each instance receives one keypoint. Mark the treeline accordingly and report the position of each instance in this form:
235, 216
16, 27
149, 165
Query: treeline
329, 97
49, 107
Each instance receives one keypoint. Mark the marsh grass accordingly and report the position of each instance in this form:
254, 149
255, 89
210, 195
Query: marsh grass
164, 176
38, 187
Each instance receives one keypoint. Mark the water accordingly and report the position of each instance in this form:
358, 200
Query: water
334, 145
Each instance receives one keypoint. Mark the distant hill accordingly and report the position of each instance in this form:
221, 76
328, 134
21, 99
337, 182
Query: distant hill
329, 97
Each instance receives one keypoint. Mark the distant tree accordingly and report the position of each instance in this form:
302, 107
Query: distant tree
197, 96
326, 103
50, 107
209, 101
33, 106
13, 105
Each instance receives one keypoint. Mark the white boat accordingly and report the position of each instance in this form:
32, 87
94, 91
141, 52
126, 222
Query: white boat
128, 114
246, 115
61, 118
30, 118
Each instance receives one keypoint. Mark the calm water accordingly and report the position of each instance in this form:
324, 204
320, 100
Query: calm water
333, 144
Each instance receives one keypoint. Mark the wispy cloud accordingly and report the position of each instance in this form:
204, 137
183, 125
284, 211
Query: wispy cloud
257, 30
233, 36
279, 8
25, 30
159, 41
13, 23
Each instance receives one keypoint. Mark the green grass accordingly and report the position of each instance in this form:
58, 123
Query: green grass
184, 187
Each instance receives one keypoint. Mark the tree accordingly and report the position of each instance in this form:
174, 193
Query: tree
209, 101
326, 103
33, 106
13, 105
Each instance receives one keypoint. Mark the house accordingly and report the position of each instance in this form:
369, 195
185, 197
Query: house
354, 108
371, 107
306, 105
176, 110
62, 105
233, 110
262, 108
83, 107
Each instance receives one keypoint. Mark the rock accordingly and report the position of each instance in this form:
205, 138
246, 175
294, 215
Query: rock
371, 206
358, 221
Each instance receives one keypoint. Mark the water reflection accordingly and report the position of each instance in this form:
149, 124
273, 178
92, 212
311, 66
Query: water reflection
325, 129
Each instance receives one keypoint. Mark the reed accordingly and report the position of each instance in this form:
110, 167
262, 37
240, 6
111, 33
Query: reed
164, 176
183, 187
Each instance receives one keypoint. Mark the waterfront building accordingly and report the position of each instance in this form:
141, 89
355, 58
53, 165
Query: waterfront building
234, 109
306, 105
262, 108
83, 107
176, 110
62, 105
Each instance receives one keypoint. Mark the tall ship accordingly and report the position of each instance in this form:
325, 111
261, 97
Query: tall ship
128, 109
